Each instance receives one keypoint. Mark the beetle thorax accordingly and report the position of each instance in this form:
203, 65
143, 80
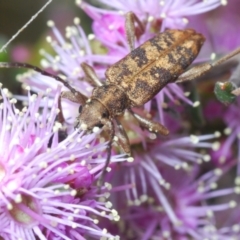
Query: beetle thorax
112, 97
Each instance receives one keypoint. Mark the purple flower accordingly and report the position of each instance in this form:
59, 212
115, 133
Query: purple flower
157, 16
225, 38
223, 155
172, 14
231, 119
171, 189
178, 153
213, 110
165, 203
107, 26
47, 185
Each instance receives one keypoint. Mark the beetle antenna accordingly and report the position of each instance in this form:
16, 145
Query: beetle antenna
60, 116
39, 70
226, 57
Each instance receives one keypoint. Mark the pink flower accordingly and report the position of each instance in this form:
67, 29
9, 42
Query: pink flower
231, 119
172, 189
213, 110
171, 14
47, 185
223, 38
105, 28
176, 204
146, 172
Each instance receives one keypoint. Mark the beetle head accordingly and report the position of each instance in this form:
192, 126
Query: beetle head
92, 115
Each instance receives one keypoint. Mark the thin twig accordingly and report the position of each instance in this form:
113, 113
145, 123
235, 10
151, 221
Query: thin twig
25, 25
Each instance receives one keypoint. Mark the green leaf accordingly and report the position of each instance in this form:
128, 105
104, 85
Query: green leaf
223, 92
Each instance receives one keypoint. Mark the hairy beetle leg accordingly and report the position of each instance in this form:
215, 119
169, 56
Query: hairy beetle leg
131, 18
71, 97
60, 116
201, 69
91, 76
150, 125
110, 127
122, 138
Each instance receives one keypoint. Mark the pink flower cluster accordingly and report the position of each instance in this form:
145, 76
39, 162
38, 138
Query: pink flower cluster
47, 180
177, 187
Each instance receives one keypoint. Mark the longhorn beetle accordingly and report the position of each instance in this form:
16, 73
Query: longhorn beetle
134, 80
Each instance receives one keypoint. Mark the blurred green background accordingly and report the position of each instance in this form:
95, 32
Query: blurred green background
25, 48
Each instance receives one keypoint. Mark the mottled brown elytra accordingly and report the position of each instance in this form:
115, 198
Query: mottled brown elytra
134, 80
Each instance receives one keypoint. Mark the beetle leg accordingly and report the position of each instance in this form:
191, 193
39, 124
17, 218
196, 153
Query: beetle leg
131, 18
71, 97
194, 72
110, 127
122, 138
62, 133
91, 76
201, 69
81, 99
60, 116
149, 124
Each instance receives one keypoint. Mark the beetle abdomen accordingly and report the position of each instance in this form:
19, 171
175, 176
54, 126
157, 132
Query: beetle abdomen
158, 61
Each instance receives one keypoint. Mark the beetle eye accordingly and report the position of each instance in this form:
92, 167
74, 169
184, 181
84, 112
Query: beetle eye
80, 109
105, 115
100, 125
